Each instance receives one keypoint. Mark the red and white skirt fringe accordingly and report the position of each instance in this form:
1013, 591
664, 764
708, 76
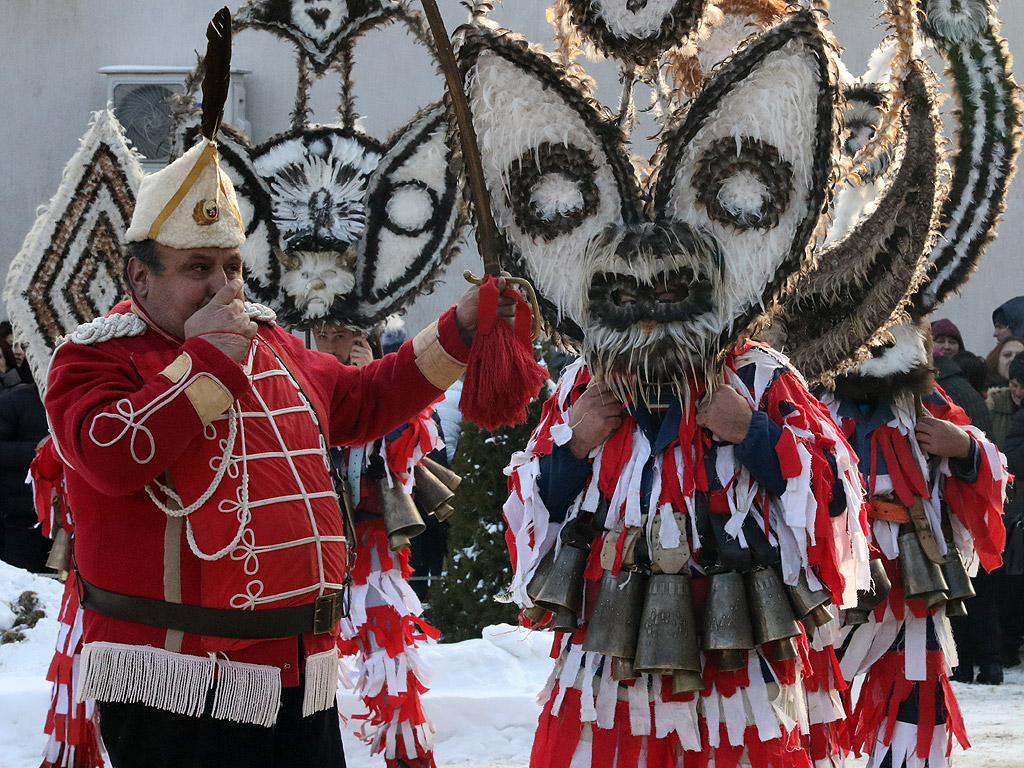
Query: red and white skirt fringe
380, 637
590, 720
901, 669
73, 738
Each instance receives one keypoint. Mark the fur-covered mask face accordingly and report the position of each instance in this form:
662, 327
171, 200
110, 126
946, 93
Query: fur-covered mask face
339, 225
658, 273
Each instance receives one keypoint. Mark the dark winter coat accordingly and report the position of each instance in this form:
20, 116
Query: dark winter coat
22, 426
1013, 510
960, 391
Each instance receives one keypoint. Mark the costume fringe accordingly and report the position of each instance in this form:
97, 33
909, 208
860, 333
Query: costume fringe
321, 682
382, 631
71, 725
135, 674
247, 693
244, 693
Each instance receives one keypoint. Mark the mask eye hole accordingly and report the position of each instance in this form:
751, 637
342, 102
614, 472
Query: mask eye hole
551, 190
745, 185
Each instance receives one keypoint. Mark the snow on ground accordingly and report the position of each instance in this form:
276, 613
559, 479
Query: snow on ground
482, 699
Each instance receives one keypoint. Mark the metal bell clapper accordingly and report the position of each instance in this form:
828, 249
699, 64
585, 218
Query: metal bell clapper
922, 578
727, 629
771, 614
869, 599
402, 521
960, 587
615, 623
430, 492
810, 604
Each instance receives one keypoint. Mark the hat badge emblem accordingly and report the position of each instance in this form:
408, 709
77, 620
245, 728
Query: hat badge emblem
206, 212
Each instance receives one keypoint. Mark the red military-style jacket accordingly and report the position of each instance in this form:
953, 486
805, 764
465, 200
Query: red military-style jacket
198, 480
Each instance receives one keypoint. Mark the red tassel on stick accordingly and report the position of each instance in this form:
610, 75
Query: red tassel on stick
501, 377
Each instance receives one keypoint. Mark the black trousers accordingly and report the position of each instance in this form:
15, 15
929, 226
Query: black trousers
978, 635
137, 736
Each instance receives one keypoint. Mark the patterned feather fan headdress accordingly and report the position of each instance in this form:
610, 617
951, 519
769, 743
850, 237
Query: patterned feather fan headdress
658, 275
904, 271
339, 225
657, 267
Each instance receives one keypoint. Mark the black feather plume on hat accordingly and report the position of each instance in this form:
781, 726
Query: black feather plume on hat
217, 76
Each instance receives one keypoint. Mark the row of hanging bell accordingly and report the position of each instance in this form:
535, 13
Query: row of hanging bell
934, 582
434, 487
647, 623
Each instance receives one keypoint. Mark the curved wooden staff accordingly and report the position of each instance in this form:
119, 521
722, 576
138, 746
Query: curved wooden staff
486, 232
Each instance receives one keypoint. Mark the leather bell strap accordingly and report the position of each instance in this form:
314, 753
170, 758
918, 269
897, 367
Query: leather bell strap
317, 617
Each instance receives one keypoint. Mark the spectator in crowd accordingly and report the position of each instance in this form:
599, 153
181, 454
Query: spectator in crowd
1008, 319
952, 380
998, 361
973, 369
1010, 578
9, 375
1004, 402
946, 338
22, 427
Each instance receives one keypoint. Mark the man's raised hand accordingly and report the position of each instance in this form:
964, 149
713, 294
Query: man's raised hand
595, 416
224, 323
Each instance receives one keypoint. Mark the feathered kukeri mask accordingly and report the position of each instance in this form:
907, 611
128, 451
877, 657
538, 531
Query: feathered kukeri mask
659, 271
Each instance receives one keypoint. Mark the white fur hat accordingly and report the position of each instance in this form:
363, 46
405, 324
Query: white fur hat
189, 204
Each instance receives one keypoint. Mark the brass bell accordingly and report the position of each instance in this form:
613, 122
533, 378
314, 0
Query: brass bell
563, 587
668, 630
535, 613
443, 512
959, 583
727, 620
615, 623
402, 521
922, 578
59, 558
869, 599
441, 472
430, 492
771, 614
810, 604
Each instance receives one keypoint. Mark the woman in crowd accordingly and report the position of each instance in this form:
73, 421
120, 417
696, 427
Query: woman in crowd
998, 360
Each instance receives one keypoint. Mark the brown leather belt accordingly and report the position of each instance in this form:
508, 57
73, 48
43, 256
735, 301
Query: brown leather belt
317, 617
890, 511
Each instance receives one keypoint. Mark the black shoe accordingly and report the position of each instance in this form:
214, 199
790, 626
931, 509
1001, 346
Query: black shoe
990, 674
963, 674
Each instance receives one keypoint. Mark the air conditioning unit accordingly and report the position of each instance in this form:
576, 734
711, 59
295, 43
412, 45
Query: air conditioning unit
139, 96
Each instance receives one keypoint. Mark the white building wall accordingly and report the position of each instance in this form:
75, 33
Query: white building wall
50, 51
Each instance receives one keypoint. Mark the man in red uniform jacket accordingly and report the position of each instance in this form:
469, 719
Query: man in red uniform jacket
209, 541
